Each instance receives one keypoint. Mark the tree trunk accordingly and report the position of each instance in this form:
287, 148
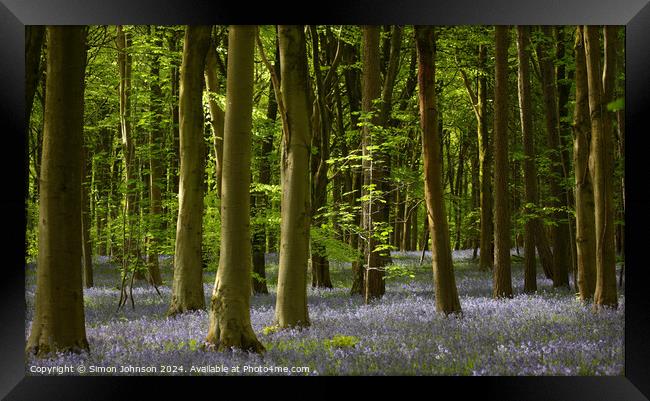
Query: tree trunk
372, 176
563, 79
502, 274
486, 258
353, 91
59, 323
585, 214
447, 300
601, 162
130, 251
217, 116
530, 170
291, 305
187, 288
85, 221
560, 233
230, 324
156, 138
321, 126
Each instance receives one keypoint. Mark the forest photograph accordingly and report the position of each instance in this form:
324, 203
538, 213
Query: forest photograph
325, 200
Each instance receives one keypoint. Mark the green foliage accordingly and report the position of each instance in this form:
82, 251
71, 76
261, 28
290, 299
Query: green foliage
398, 272
325, 238
31, 233
341, 341
267, 330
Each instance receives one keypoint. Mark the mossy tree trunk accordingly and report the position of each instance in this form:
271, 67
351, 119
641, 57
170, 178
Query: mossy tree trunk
59, 323
187, 288
443, 270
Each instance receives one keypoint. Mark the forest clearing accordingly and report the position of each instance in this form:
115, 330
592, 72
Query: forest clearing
340, 200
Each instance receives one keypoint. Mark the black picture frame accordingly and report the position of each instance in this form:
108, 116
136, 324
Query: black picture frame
15, 14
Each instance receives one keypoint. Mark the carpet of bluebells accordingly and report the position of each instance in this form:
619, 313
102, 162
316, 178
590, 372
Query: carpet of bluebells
549, 333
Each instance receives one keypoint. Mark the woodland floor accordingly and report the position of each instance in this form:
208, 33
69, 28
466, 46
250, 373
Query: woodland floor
550, 333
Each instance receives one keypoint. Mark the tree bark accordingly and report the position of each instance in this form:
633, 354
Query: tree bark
321, 125
187, 288
601, 163
374, 284
85, 221
230, 324
447, 300
530, 170
560, 233
217, 116
130, 251
585, 213
502, 273
59, 323
291, 305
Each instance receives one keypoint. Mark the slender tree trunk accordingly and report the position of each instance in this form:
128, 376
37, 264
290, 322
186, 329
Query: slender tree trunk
372, 176
291, 305
187, 288
601, 162
156, 138
262, 203
563, 79
585, 214
85, 221
320, 144
486, 258
130, 250
59, 323
353, 90
447, 300
560, 233
502, 274
230, 324
530, 171
217, 116
175, 140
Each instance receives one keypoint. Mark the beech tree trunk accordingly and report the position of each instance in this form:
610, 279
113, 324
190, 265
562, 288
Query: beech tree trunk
321, 125
560, 233
502, 273
217, 116
187, 288
85, 221
585, 214
59, 323
291, 305
530, 170
230, 324
447, 300
601, 163
374, 284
